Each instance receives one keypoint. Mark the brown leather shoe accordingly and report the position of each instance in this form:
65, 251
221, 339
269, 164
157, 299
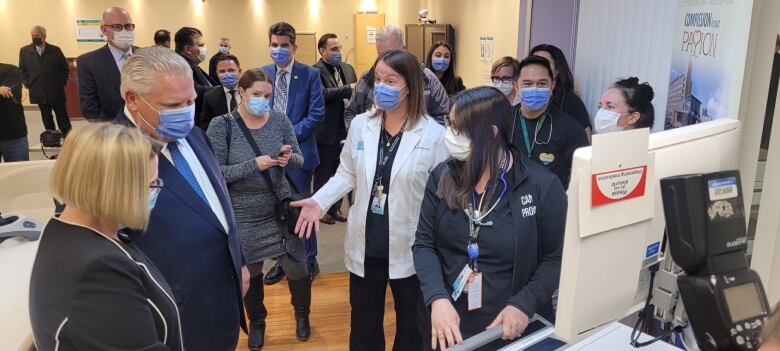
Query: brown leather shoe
338, 216
327, 219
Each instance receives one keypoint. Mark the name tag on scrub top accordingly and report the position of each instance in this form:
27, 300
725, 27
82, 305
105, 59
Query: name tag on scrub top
378, 201
474, 291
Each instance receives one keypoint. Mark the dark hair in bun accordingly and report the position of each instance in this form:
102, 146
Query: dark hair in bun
639, 98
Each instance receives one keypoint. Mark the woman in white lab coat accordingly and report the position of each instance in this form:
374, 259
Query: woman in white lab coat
387, 158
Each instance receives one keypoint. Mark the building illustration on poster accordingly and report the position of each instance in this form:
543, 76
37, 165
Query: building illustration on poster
703, 84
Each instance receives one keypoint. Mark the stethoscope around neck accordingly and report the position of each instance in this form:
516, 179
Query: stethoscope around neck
474, 213
538, 128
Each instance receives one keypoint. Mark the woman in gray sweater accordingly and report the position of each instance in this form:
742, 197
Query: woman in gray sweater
254, 200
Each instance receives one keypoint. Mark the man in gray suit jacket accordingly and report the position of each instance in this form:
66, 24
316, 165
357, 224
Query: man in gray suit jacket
338, 80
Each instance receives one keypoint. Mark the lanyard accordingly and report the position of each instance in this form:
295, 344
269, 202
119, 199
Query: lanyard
391, 143
529, 145
475, 221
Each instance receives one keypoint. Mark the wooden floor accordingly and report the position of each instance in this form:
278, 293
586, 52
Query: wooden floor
329, 317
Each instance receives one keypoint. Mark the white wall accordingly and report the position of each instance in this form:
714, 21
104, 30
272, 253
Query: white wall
623, 38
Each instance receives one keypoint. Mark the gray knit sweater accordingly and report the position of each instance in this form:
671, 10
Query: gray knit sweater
253, 199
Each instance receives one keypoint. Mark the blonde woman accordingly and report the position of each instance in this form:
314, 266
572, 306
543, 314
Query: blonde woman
91, 288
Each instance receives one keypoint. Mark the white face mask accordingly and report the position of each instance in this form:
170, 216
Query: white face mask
606, 122
505, 88
124, 39
459, 145
202, 53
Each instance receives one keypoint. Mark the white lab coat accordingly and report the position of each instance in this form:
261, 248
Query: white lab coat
421, 149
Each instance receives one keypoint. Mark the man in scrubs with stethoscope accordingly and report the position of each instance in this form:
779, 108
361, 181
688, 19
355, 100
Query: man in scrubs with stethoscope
542, 132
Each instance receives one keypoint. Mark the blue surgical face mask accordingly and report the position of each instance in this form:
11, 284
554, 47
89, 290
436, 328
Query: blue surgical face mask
223, 50
153, 199
440, 64
387, 97
535, 99
175, 123
280, 56
335, 58
229, 80
258, 106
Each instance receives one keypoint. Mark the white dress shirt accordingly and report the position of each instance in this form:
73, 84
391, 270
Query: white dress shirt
40, 50
289, 77
200, 175
120, 56
229, 96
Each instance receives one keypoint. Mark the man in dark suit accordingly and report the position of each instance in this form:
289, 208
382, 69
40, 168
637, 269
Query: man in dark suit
162, 37
192, 236
298, 94
221, 99
338, 79
45, 73
190, 45
98, 70
13, 129
223, 49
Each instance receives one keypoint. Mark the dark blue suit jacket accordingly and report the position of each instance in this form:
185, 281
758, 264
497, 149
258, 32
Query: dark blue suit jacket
305, 108
98, 82
201, 262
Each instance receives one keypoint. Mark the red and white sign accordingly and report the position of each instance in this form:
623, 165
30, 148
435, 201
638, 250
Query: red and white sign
613, 186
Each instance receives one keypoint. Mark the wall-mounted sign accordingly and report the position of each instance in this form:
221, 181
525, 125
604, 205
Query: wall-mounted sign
88, 30
708, 57
371, 34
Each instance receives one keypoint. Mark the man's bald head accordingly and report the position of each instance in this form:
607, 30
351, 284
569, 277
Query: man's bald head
116, 13
115, 16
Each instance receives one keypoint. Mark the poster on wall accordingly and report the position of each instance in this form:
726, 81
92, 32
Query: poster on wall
88, 30
708, 59
486, 48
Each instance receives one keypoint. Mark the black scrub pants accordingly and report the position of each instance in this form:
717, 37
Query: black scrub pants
367, 299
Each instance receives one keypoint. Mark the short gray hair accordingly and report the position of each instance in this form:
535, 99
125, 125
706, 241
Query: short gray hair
140, 70
224, 39
40, 29
390, 32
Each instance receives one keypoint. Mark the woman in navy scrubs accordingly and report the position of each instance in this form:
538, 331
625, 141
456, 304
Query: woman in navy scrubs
493, 218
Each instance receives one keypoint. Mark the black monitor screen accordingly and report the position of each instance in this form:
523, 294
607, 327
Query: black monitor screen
743, 301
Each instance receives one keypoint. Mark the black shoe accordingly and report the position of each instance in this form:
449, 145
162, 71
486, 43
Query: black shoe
302, 327
274, 275
327, 219
315, 271
338, 216
256, 336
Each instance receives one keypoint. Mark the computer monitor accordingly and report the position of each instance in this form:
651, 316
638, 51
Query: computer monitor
603, 275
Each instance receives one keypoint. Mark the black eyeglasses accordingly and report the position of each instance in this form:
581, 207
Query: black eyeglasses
156, 185
118, 27
505, 79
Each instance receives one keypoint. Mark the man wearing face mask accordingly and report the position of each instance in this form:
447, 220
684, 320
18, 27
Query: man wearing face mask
298, 94
221, 99
542, 132
45, 72
223, 48
388, 38
191, 236
190, 45
338, 80
98, 71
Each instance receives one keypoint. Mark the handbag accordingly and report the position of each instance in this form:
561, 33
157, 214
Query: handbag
285, 214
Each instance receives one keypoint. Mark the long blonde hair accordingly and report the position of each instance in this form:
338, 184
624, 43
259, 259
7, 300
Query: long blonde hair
103, 169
